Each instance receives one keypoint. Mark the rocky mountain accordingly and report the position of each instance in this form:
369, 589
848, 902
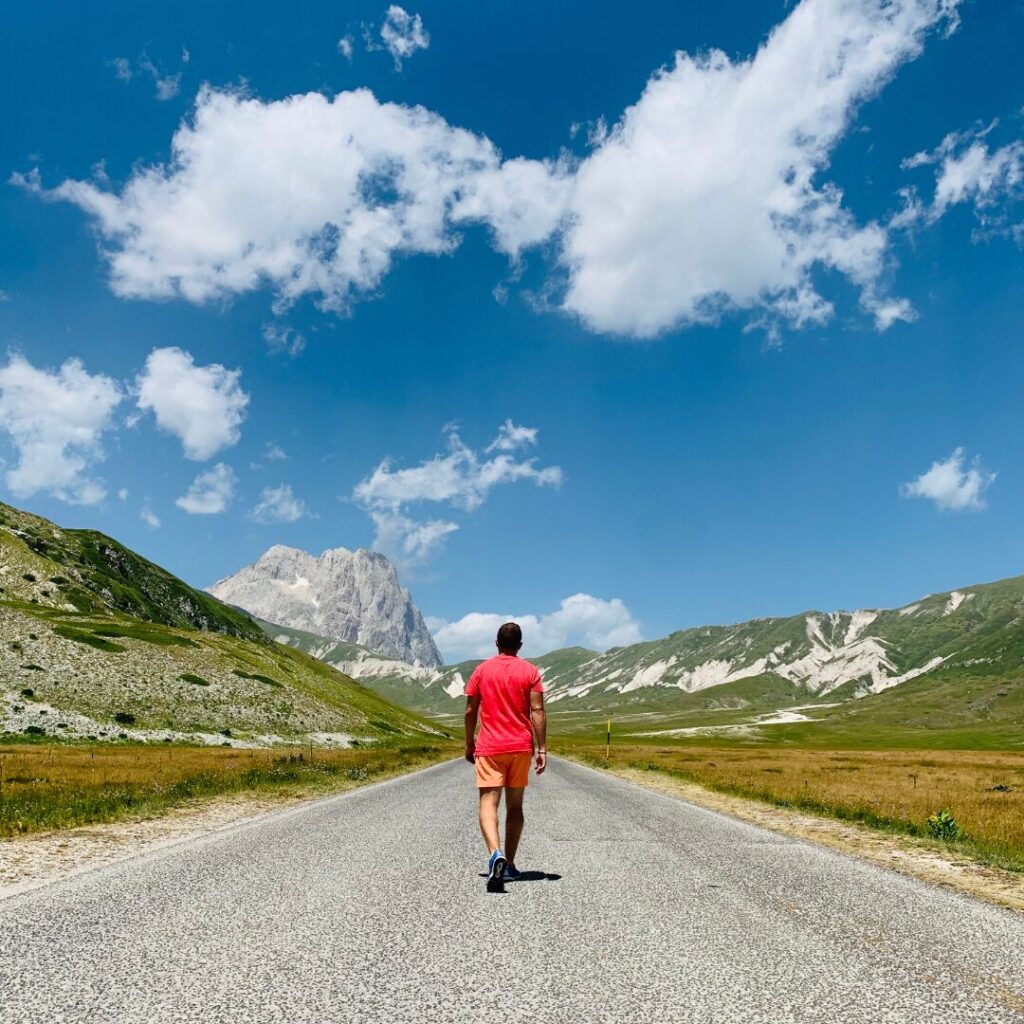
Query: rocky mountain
839, 655
345, 596
956, 642
96, 641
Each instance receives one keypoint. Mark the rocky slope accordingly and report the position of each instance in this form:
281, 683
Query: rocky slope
96, 641
345, 596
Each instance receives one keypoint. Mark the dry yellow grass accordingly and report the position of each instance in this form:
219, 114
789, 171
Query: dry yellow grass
892, 789
44, 786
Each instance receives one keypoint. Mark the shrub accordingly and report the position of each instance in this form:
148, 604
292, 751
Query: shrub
34, 730
29, 576
27, 691
257, 677
942, 825
31, 667
124, 718
191, 677
357, 773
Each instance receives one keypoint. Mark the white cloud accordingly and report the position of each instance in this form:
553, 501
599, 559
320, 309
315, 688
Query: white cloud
167, 86
274, 453
458, 477
967, 170
203, 406
345, 186
407, 542
279, 505
706, 197
511, 436
149, 517
345, 47
703, 198
122, 69
211, 492
55, 421
122, 494
403, 34
282, 339
952, 485
580, 620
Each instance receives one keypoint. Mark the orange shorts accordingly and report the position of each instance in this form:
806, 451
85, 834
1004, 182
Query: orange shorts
511, 770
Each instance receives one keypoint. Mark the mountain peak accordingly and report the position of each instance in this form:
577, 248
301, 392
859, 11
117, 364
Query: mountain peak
351, 596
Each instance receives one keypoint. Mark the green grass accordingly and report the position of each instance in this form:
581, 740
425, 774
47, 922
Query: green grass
257, 676
95, 573
81, 636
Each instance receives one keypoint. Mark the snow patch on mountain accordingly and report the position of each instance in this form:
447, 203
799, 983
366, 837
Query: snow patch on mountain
859, 621
956, 599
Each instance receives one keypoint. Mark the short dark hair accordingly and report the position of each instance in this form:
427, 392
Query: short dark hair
510, 637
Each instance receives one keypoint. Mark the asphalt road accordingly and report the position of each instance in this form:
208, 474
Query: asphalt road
370, 907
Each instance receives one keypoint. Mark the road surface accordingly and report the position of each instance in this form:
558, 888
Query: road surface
369, 907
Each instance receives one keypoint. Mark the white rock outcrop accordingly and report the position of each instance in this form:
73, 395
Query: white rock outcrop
345, 595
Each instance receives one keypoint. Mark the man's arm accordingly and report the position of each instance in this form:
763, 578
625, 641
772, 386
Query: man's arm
539, 721
472, 712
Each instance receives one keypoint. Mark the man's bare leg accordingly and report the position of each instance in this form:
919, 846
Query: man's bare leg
513, 820
490, 797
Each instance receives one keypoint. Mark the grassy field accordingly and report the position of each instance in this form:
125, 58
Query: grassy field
894, 790
54, 785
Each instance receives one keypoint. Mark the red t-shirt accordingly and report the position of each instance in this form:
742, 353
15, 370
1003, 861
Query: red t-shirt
504, 684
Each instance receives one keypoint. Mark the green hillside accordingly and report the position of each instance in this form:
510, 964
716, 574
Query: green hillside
950, 665
97, 641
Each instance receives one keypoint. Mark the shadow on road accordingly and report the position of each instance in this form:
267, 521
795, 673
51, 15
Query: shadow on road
529, 876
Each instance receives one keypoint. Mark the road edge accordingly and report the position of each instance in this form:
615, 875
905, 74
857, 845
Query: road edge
86, 849
902, 854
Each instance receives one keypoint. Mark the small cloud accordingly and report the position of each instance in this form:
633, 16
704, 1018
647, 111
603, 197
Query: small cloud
580, 620
122, 494
185, 55
283, 340
345, 47
55, 420
122, 69
203, 406
403, 34
952, 485
274, 453
459, 478
510, 437
211, 492
149, 517
279, 505
167, 86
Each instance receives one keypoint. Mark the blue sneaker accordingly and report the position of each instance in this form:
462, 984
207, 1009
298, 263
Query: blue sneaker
512, 873
496, 871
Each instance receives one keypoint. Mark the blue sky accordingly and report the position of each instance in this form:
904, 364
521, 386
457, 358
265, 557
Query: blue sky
753, 312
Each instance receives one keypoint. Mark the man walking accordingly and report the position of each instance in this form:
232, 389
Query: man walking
507, 695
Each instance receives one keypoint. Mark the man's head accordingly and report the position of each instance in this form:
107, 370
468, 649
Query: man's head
510, 638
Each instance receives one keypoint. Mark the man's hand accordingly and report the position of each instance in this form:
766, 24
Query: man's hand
541, 762
471, 753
